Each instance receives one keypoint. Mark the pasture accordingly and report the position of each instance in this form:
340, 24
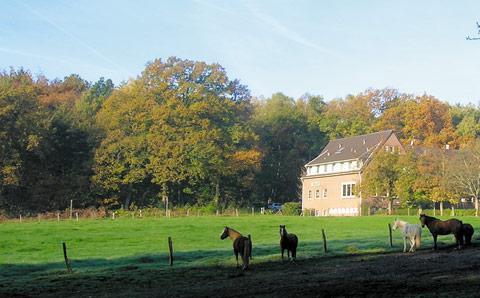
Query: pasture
129, 256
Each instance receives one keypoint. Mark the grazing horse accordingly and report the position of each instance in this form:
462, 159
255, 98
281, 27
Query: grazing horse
241, 245
443, 227
288, 242
410, 231
467, 231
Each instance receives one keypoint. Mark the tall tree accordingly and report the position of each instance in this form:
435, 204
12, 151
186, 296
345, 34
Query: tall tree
190, 122
286, 141
380, 177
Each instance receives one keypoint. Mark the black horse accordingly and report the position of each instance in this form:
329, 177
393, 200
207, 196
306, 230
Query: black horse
288, 242
467, 231
443, 227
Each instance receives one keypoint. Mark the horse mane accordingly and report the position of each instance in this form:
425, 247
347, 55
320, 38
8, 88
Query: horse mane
234, 231
430, 217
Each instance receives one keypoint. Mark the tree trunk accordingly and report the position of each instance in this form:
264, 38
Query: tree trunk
128, 198
217, 194
390, 206
476, 206
441, 208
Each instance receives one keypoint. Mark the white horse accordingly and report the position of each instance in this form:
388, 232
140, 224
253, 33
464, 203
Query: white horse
411, 231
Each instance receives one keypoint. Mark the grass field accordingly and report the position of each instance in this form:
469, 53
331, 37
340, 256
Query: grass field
31, 252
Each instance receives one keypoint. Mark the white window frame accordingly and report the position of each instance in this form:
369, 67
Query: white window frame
309, 196
352, 188
317, 194
324, 193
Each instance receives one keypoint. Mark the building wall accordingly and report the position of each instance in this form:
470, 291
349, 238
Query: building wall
393, 142
333, 204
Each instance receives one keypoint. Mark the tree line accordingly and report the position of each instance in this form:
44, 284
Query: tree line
183, 132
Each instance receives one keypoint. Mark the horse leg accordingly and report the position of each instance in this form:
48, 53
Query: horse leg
404, 243
412, 244
283, 250
236, 257
459, 238
294, 254
434, 241
288, 254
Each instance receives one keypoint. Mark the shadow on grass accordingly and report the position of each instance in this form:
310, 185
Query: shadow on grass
224, 257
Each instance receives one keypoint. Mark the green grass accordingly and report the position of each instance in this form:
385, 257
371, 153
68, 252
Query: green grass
32, 250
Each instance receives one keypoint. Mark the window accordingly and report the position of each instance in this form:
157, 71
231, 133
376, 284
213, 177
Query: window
317, 194
348, 190
324, 192
309, 194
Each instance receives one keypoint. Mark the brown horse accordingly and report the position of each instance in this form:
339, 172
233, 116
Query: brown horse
443, 227
288, 242
467, 231
241, 245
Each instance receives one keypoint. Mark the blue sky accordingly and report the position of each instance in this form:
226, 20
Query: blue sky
329, 48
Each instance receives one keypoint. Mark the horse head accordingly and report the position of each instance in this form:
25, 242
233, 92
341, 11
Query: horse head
283, 231
225, 233
395, 224
423, 220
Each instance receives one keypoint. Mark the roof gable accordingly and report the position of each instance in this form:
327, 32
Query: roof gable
357, 147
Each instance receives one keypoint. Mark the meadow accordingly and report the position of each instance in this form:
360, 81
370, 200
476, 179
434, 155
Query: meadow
31, 256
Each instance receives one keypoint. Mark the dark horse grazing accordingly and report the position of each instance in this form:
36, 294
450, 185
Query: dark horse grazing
443, 227
288, 242
467, 231
241, 245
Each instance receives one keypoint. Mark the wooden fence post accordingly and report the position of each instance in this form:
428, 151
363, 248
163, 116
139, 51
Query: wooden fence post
390, 234
236, 211
188, 211
71, 209
170, 248
67, 262
20, 218
113, 215
140, 213
253, 210
58, 216
76, 215
324, 241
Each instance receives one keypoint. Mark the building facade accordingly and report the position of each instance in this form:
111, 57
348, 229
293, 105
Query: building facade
329, 187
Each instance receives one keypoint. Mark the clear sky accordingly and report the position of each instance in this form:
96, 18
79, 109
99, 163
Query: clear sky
329, 48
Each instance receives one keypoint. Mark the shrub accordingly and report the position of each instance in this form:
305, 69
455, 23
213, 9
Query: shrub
292, 208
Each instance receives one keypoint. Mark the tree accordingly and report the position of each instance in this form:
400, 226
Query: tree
464, 172
287, 141
380, 177
186, 127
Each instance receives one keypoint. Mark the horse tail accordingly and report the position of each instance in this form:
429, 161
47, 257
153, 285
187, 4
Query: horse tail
418, 240
247, 252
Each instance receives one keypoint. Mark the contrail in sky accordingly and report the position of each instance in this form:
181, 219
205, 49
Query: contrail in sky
81, 42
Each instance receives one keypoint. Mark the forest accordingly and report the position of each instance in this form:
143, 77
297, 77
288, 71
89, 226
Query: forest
182, 131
